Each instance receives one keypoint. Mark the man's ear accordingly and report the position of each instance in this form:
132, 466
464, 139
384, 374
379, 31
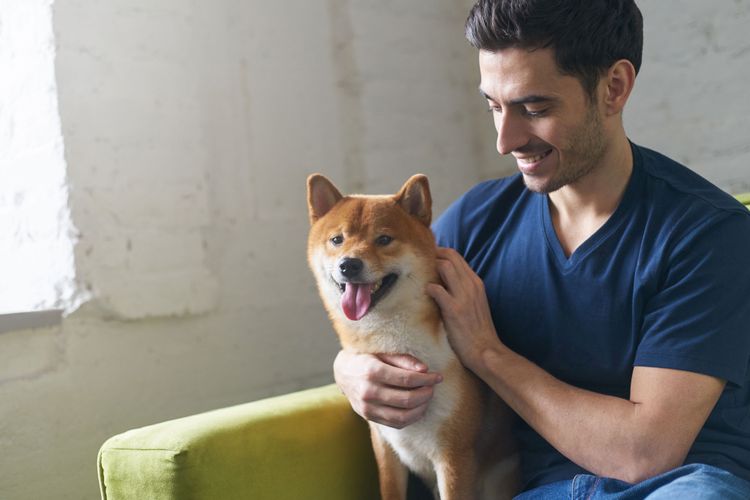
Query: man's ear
415, 198
620, 79
322, 195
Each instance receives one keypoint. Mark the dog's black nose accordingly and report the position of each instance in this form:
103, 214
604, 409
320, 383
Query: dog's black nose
350, 268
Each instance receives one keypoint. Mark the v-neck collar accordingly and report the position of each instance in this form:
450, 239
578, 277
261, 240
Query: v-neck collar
592, 242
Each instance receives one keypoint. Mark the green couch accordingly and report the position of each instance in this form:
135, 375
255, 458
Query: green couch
307, 445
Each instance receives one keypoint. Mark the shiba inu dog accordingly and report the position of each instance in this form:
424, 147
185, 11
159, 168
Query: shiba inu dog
372, 257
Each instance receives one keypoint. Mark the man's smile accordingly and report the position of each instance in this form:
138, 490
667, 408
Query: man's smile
532, 164
532, 159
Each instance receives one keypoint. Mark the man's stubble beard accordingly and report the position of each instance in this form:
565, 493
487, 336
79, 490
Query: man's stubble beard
584, 153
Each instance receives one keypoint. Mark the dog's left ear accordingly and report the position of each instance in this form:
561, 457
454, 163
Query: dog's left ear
415, 198
322, 195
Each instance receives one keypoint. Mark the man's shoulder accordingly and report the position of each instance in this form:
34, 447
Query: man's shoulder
478, 211
674, 187
684, 214
495, 187
477, 200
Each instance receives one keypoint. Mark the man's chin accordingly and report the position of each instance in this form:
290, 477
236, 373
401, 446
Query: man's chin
541, 186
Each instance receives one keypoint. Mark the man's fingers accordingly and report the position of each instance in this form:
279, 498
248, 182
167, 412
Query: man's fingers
405, 379
449, 275
439, 293
449, 255
400, 371
404, 361
455, 272
458, 277
398, 398
393, 417
459, 264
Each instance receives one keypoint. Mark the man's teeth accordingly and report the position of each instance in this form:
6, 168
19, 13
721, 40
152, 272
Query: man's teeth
533, 159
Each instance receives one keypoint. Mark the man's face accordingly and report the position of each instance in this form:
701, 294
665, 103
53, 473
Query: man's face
544, 118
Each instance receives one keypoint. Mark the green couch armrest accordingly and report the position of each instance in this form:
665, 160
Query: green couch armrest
306, 445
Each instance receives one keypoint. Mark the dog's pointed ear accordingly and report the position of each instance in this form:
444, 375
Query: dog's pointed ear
415, 198
322, 195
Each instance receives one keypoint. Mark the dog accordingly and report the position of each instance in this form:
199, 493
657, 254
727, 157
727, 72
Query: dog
372, 257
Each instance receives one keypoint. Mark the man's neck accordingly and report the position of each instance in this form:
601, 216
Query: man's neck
579, 209
598, 193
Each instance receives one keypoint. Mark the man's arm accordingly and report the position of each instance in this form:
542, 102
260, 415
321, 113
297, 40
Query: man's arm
629, 440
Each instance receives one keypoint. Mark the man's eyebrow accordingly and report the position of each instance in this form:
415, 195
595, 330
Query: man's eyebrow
486, 95
527, 99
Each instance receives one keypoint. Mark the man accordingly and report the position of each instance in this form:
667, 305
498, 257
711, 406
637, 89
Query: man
603, 292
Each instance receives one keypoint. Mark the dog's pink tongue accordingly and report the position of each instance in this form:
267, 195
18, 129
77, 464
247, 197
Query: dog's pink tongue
356, 300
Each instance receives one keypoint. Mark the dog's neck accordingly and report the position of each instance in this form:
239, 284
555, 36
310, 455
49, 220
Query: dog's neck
391, 330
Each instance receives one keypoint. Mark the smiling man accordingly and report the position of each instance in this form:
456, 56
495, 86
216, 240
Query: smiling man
603, 291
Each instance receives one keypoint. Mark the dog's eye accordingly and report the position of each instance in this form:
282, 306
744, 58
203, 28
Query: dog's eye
383, 240
337, 240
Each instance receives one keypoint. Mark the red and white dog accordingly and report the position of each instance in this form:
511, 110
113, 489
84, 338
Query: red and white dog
372, 257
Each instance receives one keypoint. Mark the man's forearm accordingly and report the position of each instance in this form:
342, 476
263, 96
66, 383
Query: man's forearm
603, 434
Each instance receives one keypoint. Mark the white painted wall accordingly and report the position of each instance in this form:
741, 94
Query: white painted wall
189, 129
690, 97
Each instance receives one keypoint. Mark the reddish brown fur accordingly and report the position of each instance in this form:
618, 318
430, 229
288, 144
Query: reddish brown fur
371, 217
478, 436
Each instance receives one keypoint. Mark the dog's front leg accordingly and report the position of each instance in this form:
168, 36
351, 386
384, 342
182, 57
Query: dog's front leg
457, 477
392, 473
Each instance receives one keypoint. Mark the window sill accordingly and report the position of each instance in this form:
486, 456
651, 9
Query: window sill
30, 320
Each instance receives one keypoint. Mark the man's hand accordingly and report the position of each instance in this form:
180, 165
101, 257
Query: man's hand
389, 389
463, 304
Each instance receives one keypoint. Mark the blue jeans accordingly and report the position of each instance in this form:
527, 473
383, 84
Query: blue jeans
694, 481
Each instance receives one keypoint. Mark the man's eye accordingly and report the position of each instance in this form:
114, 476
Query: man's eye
534, 113
383, 240
337, 240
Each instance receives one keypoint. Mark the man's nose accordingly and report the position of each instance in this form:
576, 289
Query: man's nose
350, 268
511, 133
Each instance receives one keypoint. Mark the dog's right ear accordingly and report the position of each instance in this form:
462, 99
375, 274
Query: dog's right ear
322, 195
415, 198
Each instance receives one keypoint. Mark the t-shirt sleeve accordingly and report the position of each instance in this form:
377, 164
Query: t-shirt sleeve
699, 319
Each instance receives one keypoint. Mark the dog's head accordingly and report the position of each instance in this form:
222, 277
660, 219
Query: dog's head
370, 253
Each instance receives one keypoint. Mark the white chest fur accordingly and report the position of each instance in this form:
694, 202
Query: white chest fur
418, 444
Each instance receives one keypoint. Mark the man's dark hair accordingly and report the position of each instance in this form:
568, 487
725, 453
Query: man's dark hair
587, 36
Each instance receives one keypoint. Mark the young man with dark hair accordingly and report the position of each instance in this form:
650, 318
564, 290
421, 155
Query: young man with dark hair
603, 291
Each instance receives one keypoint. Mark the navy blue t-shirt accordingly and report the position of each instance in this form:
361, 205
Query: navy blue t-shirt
665, 282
